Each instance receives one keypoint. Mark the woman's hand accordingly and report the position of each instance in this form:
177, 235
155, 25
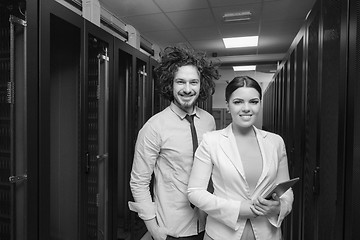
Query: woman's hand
269, 208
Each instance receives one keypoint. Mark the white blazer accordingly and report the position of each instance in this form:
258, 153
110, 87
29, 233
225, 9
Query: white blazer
218, 157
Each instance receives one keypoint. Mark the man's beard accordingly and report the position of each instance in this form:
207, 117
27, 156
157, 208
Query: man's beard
185, 104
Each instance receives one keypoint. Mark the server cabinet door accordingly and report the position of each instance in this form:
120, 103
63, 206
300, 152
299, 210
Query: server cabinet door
59, 121
312, 132
123, 76
142, 97
63, 141
13, 160
97, 170
103, 167
60, 56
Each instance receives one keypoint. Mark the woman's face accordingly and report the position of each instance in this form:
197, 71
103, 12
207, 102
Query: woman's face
244, 105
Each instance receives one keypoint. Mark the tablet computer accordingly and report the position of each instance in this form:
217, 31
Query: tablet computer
280, 188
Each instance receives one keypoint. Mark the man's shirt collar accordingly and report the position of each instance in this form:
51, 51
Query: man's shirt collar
181, 113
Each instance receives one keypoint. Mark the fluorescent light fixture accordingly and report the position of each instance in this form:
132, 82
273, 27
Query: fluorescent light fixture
237, 42
244, 68
237, 16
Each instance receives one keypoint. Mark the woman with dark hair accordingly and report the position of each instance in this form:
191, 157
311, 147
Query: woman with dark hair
165, 147
243, 163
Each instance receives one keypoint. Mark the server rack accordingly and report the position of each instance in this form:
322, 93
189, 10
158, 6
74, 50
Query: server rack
351, 127
60, 136
311, 87
78, 127
18, 74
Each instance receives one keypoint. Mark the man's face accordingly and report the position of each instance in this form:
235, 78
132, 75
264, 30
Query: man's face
186, 87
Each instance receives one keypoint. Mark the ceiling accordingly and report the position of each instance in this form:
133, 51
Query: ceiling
199, 23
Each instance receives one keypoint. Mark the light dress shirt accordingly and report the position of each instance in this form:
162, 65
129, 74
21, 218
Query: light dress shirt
218, 157
164, 147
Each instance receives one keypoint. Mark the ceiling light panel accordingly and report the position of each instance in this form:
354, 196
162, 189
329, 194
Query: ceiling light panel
244, 68
238, 42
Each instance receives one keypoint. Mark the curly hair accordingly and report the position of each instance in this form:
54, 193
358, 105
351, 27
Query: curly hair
174, 57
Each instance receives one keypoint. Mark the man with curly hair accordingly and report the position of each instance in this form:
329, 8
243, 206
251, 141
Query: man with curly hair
164, 147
